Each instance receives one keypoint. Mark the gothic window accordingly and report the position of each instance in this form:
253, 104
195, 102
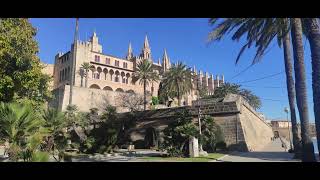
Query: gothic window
96, 75
125, 65
123, 80
107, 60
117, 79
116, 63
97, 58
127, 81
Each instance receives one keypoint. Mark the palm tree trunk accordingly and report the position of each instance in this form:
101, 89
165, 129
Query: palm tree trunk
301, 90
314, 41
86, 80
291, 94
179, 99
144, 96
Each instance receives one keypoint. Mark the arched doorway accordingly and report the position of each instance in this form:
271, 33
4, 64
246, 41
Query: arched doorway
151, 138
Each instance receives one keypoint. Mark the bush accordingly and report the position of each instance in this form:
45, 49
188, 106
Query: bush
177, 134
14, 152
212, 135
40, 157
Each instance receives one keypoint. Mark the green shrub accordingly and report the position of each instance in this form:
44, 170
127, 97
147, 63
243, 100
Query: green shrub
177, 134
40, 157
155, 100
211, 135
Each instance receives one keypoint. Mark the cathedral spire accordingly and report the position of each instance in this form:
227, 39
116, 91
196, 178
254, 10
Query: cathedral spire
146, 43
146, 50
165, 61
130, 52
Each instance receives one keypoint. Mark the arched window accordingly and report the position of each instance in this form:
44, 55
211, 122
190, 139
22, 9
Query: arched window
94, 86
119, 90
107, 88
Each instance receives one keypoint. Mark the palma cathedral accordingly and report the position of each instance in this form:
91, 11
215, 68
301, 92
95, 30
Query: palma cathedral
111, 76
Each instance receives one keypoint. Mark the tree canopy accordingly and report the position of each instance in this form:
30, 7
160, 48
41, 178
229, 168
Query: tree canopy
20, 73
248, 95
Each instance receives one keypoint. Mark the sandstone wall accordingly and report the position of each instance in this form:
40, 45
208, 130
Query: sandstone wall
257, 133
86, 98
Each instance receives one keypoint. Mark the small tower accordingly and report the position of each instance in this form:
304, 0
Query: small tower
130, 52
218, 81
146, 50
165, 61
95, 46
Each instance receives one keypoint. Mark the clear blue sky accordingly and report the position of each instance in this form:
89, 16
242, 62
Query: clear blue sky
185, 40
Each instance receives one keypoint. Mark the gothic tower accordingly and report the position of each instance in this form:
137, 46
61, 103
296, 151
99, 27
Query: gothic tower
165, 61
146, 50
130, 53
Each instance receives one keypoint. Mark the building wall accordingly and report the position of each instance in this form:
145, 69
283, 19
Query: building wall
48, 69
106, 76
87, 98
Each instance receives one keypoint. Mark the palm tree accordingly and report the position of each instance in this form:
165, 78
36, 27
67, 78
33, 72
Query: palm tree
301, 89
291, 94
262, 32
313, 34
54, 120
17, 123
86, 67
145, 75
55, 124
178, 80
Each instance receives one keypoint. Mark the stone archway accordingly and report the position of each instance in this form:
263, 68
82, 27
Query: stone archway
151, 138
94, 86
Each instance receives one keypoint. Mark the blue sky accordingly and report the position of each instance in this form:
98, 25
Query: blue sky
185, 40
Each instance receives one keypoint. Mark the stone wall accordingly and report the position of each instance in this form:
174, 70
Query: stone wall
243, 128
86, 98
257, 133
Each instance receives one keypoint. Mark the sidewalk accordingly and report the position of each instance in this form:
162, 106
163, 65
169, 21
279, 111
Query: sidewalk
273, 152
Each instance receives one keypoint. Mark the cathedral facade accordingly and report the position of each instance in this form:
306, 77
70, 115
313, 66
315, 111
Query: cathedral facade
110, 77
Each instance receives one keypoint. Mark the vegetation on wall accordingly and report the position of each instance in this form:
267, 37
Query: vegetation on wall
227, 88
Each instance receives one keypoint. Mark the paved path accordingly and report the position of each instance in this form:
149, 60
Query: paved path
273, 152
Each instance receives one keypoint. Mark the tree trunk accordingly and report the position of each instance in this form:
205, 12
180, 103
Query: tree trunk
144, 96
86, 80
314, 41
291, 94
301, 90
179, 99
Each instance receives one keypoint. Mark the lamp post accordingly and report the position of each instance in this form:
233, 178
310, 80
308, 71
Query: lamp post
286, 110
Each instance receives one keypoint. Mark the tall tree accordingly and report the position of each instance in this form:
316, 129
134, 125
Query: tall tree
20, 72
145, 75
86, 67
261, 32
313, 34
178, 80
291, 94
301, 89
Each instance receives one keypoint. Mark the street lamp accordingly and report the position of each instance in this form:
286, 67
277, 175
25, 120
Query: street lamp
286, 110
